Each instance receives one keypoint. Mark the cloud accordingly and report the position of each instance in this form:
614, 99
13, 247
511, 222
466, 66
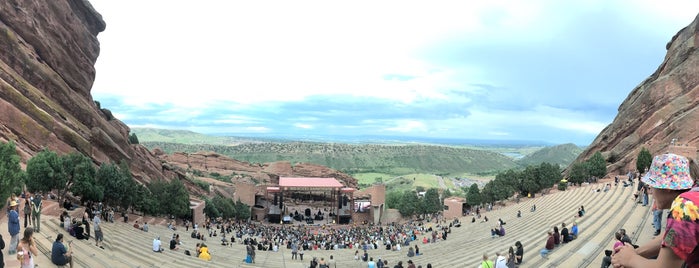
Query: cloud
543, 69
406, 126
304, 126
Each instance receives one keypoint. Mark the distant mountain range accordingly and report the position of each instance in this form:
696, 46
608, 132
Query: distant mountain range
394, 155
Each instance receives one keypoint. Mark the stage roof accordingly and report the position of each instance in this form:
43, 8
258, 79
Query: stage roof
310, 182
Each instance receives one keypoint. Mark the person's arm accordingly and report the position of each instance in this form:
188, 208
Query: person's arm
2, 243
627, 257
32, 249
651, 248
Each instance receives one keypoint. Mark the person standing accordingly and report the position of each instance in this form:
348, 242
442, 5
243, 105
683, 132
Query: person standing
2, 247
27, 212
294, 251
99, 236
28, 248
13, 227
36, 212
657, 218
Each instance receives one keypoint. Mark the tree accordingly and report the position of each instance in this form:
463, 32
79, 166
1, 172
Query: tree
11, 174
578, 173
597, 166
409, 204
45, 172
79, 177
393, 199
644, 160
431, 202
473, 196
549, 174
529, 178
242, 210
210, 209
145, 202
133, 139
224, 206
118, 188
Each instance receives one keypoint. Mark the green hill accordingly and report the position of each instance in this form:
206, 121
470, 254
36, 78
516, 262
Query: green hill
562, 154
349, 158
186, 137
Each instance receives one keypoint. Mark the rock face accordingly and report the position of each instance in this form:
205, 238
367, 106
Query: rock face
48, 50
662, 108
203, 164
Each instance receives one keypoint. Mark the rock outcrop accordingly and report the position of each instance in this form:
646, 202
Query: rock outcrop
48, 51
665, 107
204, 164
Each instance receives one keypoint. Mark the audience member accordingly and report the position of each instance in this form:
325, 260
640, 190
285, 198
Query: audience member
97, 224
519, 252
486, 263
657, 218
371, 263
157, 245
672, 178
574, 231
607, 259
565, 235
60, 255
13, 226
500, 260
204, 252
173, 243
548, 247
27, 249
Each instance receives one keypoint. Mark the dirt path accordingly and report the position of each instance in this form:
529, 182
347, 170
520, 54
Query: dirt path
441, 182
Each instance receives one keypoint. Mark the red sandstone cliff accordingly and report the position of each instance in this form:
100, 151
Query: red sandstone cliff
662, 108
206, 163
47, 55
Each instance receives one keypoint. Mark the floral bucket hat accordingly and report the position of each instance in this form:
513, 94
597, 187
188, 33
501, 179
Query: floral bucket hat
669, 171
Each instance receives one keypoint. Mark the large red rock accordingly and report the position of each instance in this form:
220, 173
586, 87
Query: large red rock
663, 107
48, 51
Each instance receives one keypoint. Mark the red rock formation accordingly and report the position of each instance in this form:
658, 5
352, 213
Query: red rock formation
46, 72
205, 163
662, 108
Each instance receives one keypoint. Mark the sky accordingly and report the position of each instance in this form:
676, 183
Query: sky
537, 70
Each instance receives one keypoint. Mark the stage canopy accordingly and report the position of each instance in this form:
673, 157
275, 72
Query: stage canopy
297, 183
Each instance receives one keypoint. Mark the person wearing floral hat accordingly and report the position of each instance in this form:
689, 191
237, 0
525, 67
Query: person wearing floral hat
672, 178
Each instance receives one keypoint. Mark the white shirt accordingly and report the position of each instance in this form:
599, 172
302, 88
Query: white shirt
156, 244
501, 262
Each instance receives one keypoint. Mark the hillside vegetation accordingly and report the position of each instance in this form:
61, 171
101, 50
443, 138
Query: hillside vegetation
392, 159
562, 155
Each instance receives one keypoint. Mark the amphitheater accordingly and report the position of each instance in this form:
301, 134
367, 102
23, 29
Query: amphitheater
606, 212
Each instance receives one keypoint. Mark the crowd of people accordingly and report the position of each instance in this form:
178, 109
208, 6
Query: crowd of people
671, 181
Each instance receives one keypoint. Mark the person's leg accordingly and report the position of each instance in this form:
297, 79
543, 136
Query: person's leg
38, 222
657, 220
34, 220
14, 241
70, 261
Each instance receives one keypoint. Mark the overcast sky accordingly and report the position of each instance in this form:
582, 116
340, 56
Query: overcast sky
553, 71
